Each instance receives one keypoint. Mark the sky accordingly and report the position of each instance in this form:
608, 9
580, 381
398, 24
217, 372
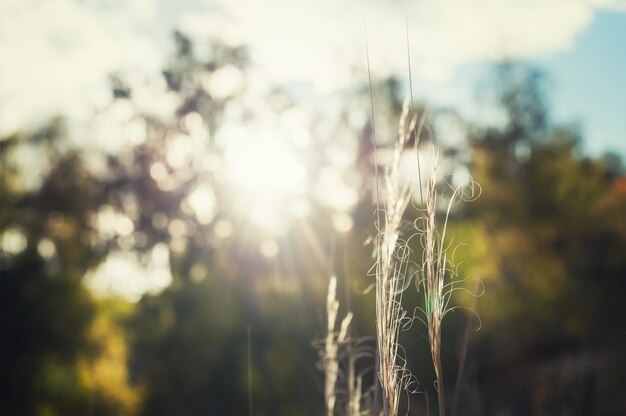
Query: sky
57, 54
589, 83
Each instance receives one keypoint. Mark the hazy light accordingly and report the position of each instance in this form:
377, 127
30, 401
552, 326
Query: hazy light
158, 171
223, 229
266, 166
224, 82
110, 222
269, 248
409, 173
130, 205
31, 163
155, 99
177, 228
523, 152
136, 131
300, 208
450, 130
268, 213
342, 222
160, 255
124, 225
461, 176
126, 242
166, 184
131, 275
202, 202
96, 164
193, 121
179, 151
178, 245
340, 156
198, 272
333, 191
13, 241
115, 127
267, 176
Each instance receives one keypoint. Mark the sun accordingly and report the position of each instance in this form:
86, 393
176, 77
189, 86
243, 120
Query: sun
265, 165
268, 181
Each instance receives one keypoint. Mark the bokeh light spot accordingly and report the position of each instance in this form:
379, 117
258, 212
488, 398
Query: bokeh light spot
198, 272
269, 248
342, 222
223, 229
158, 171
46, 248
13, 241
202, 202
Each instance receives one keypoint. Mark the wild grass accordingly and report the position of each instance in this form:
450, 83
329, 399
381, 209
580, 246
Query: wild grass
341, 359
436, 276
391, 273
330, 355
436, 273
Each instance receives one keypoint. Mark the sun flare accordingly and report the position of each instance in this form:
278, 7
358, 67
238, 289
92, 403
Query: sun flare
266, 166
269, 181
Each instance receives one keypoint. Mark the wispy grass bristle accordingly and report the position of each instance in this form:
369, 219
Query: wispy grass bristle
333, 341
391, 273
437, 272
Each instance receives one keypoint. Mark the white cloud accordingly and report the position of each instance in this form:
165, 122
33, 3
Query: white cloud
57, 55
323, 40
619, 5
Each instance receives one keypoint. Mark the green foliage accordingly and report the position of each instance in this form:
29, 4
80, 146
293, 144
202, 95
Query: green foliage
58, 357
548, 230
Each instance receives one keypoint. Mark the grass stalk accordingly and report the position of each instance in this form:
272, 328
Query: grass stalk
333, 341
437, 272
250, 411
392, 259
435, 259
392, 279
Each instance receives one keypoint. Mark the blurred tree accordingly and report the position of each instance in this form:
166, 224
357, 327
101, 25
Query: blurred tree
551, 223
46, 312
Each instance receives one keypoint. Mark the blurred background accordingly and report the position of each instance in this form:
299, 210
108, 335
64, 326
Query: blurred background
179, 180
